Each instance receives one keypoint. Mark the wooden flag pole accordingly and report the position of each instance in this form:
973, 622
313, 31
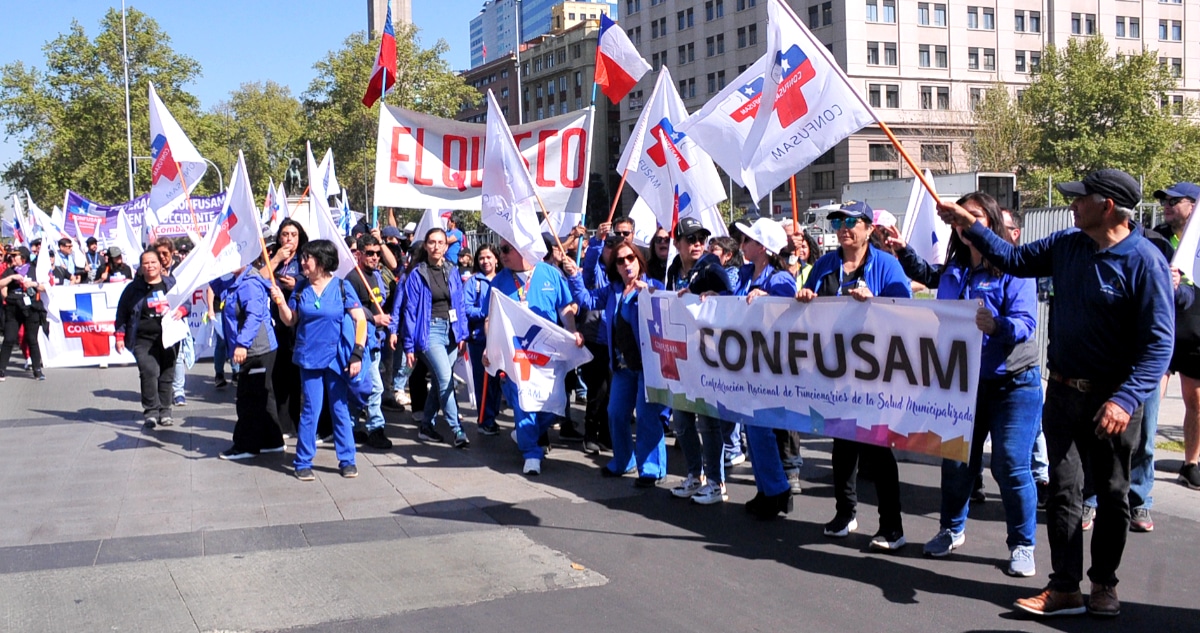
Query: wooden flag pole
617, 198
547, 214
908, 160
795, 209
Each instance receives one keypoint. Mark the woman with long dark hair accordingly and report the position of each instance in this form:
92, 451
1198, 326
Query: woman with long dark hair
435, 327
138, 324
860, 271
486, 264
619, 300
1008, 402
23, 311
660, 249
284, 266
317, 309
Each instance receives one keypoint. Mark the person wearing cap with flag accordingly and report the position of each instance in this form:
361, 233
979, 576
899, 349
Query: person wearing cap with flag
1178, 202
115, 269
1111, 334
859, 270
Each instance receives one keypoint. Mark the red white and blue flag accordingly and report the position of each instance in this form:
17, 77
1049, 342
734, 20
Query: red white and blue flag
177, 166
667, 167
383, 75
619, 66
535, 353
232, 241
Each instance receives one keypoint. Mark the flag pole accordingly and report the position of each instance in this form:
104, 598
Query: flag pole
795, 210
547, 214
617, 198
484, 398
188, 195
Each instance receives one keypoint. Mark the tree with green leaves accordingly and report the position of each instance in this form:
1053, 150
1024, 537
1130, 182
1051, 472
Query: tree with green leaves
1083, 110
265, 122
337, 118
70, 115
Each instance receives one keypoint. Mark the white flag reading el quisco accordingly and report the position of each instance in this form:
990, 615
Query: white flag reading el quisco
806, 105
509, 201
535, 354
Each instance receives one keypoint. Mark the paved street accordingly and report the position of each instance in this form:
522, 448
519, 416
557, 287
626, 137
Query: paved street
104, 527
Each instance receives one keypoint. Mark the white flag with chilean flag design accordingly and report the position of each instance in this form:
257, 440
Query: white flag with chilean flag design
233, 241
533, 352
176, 161
619, 66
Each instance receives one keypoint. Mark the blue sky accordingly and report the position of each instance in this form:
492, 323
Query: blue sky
234, 41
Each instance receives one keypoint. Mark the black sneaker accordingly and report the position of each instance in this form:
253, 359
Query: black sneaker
460, 440
489, 430
428, 434
150, 423
221, 383
391, 405
764, 506
1189, 476
236, 453
591, 447
1141, 521
2, 376
377, 439
39, 375
305, 474
350, 471
1043, 493
568, 433
841, 526
888, 540
646, 482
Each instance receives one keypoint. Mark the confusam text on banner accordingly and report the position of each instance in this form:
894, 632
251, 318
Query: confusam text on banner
900, 373
425, 162
533, 352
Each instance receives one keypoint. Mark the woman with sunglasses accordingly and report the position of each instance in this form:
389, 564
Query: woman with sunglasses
618, 299
857, 269
1009, 399
435, 326
486, 265
284, 267
316, 309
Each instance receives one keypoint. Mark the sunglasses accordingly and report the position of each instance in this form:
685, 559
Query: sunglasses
840, 223
623, 233
372, 253
506, 249
695, 238
628, 259
1170, 202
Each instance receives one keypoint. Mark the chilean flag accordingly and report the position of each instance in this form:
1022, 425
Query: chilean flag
383, 75
618, 64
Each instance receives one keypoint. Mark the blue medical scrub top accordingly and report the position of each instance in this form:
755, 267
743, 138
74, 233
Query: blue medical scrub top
319, 322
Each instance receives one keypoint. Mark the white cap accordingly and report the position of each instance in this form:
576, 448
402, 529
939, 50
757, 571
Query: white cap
884, 218
767, 232
411, 227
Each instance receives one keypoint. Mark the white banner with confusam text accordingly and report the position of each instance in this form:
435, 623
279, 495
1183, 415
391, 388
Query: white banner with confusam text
900, 373
425, 162
81, 323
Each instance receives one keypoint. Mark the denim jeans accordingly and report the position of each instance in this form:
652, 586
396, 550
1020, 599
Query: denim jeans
700, 438
180, 379
769, 475
1039, 463
1141, 464
316, 384
440, 355
1010, 409
1068, 419
649, 452
489, 404
401, 369
374, 412
220, 355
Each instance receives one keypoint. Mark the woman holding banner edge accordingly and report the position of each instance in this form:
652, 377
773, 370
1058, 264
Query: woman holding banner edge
861, 271
1009, 399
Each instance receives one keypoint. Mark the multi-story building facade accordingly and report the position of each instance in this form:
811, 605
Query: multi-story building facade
499, 76
377, 13
493, 33
921, 64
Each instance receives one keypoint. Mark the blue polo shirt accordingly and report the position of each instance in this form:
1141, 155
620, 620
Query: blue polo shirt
1113, 320
546, 295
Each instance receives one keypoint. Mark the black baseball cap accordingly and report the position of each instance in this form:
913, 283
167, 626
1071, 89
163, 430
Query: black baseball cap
1114, 184
688, 227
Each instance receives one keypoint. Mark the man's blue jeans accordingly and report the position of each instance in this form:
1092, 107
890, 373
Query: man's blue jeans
1010, 409
649, 452
440, 355
375, 402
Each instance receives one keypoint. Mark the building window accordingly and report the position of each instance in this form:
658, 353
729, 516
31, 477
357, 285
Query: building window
1083, 24
941, 57
1174, 64
742, 5
872, 10
889, 54
825, 159
972, 17
883, 153
720, 79
924, 59
939, 15
1035, 61
923, 13
687, 54
814, 17
931, 153
1035, 21
883, 95
973, 58
712, 83
1173, 104
1020, 67
989, 19
935, 98
889, 12
1019, 22
976, 97
685, 19
714, 9
715, 44
822, 180
989, 59
635, 35
687, 88
658, 28
872, 53
1176, 30
885, 174
632, 6
747, 36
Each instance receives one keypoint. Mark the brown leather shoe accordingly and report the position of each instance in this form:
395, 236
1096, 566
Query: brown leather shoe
1103, 601
1050, 603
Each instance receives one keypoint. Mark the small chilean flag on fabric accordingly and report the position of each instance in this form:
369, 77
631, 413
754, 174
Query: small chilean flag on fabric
618, 64
383, 75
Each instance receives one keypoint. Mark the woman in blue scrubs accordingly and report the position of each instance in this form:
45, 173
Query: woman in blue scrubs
316, 309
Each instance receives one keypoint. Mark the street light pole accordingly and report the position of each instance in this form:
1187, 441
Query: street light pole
520, 105
128, 125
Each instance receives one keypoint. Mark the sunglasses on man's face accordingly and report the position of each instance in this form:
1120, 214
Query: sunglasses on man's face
840, 223
372, 253
694, 238
623, 233
506, 249
1170, 202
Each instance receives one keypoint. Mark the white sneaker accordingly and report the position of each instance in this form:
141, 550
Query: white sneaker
688, 487
403, 399
533, 467
710, 493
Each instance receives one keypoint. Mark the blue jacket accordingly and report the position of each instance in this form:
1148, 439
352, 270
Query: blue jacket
777, 283
473, 295
1113, 320
248, 296
608, 298
882, 272
593, 269
1012, 301
418, 303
